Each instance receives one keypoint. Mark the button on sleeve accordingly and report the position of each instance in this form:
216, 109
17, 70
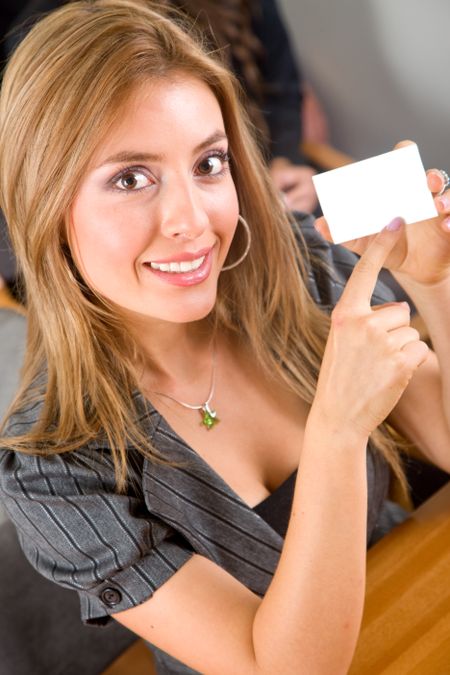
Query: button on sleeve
76, 530
111, 597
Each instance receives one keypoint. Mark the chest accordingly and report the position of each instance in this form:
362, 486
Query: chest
256, 444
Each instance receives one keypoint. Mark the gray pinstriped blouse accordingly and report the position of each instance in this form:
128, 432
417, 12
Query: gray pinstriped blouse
116, 550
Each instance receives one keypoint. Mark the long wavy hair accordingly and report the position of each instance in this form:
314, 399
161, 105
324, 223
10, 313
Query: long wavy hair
65, 85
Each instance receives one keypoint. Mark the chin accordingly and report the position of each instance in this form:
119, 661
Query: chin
191, 314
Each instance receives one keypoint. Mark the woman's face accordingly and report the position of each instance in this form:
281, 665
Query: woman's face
156, 213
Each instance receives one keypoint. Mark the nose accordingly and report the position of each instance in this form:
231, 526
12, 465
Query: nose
181, 211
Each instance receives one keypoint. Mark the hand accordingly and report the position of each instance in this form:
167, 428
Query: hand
371, 353
422, 252
295, 184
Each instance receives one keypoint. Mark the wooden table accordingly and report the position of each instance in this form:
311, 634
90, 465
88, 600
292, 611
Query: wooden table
406, 623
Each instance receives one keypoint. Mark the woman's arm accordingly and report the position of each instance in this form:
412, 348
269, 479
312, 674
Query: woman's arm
309, 619
423, 413
421, 264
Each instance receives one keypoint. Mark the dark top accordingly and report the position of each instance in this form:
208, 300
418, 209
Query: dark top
116, 550
276, 508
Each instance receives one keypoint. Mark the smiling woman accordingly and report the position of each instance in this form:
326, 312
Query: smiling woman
155, 214
133, 188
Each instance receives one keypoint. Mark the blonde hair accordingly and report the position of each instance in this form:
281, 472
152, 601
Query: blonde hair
62, 90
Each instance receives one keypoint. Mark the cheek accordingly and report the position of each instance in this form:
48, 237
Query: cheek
232, 213
223, 208
100, 235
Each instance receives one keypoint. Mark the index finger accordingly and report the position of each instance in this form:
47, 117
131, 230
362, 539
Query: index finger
359, 287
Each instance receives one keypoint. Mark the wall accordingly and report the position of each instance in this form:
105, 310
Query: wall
381, 68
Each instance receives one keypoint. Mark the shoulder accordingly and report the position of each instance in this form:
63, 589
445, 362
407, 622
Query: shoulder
329, 265
22, 420
77, 530
40, 471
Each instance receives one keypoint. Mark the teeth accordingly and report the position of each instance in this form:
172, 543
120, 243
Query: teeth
196, 263
176, 268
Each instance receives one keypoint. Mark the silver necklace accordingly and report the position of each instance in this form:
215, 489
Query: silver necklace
208, 414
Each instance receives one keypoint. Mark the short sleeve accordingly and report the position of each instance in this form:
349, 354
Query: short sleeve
77, 531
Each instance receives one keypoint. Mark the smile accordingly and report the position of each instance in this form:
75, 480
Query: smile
177, 267
183, 272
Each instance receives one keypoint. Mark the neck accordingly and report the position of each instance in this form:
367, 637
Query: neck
177, 357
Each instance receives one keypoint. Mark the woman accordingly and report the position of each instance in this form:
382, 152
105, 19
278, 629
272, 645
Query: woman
128, 175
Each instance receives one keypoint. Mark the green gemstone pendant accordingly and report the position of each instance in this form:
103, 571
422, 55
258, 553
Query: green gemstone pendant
209, 417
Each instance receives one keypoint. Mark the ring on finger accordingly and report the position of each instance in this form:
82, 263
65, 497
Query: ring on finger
446, 178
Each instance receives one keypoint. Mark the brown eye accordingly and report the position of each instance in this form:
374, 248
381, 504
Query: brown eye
132, 180
128, 181
211, 166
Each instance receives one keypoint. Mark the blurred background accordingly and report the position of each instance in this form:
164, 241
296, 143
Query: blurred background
380, 69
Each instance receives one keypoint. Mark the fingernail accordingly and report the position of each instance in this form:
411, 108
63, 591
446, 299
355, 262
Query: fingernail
443, 203
395, 224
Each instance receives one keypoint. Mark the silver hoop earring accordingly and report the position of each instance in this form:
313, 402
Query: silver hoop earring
247, 248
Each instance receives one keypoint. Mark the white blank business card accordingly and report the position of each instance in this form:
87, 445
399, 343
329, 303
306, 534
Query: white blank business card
361, 198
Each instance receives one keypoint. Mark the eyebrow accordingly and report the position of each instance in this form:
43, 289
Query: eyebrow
125, 156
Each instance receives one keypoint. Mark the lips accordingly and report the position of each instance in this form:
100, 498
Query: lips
187, 256
177, 267
184, 269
